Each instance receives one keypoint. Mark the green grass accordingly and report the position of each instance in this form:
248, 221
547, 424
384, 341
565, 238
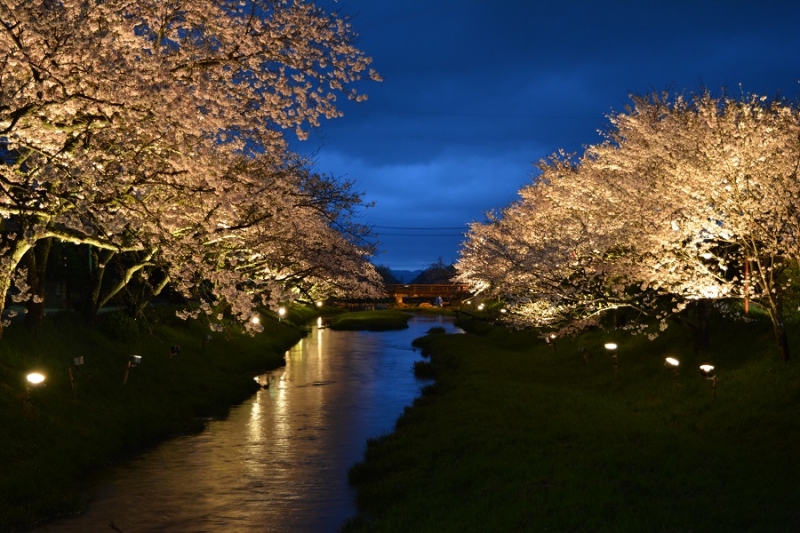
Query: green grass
379, 320
52, 441
517, 436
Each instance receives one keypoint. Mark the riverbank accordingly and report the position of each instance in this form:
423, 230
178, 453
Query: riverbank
83, 418
519, 435
376, 320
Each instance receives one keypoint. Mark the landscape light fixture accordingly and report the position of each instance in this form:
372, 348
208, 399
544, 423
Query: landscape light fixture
707, 371
673, 363
319, 303
281, 313
611, 347
480, 307
77, 362
34, 379
133, 362
255, 320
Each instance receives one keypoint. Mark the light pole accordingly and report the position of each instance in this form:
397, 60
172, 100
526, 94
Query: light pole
133, 362
707, 371
673, 363
612, 349
33, 380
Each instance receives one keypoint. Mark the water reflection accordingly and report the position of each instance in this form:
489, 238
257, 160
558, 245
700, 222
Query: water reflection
279, 462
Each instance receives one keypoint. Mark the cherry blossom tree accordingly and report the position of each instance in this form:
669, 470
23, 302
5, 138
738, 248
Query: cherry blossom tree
684, 197
116, 115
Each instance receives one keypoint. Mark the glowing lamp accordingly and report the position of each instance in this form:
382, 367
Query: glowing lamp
136, 360
671, 361
255, 320
610, 346
281, 311
480, 307
707, 371
319, 304
35, 378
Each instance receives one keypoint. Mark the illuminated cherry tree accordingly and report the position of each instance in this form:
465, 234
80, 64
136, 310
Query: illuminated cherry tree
687, 200
123, 124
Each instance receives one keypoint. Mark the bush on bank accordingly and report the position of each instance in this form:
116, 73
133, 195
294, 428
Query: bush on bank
518, 435
84, 418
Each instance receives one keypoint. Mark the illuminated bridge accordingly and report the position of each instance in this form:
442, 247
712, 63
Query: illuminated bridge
446, 291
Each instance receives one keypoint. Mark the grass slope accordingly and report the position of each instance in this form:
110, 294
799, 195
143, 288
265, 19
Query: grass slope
55, 438
379, 320
516, 436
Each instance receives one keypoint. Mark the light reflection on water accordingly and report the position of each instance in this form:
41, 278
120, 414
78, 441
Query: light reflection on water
279, 461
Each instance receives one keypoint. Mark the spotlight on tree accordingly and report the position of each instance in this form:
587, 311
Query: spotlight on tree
34, 379
255, 320
611, 347
133, 362
707, 371
673, 363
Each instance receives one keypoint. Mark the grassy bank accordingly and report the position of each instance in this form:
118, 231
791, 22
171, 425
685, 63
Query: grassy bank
517, 436
55, 435
378, 320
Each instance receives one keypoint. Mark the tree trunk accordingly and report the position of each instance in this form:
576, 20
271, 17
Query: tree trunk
98, 259
778, 327
36, 262
701, 334
8, 265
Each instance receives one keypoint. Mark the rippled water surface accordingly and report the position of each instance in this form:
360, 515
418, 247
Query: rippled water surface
279, 461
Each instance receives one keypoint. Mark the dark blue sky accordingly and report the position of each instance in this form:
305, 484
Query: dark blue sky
474, 91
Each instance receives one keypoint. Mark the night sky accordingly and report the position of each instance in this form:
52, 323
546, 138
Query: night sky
475, 91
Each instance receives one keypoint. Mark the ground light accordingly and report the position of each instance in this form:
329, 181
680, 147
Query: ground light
707, 371
33, 381
319, 304
133, 362
281, 313
77, 362
174, 350
34, 378
612, 347
673, 363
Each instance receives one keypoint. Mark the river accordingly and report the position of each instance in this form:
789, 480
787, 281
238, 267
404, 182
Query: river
279, 461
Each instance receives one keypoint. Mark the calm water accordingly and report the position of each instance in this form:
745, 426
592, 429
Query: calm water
279, 462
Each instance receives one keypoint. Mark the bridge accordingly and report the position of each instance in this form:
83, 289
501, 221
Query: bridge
446, 291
